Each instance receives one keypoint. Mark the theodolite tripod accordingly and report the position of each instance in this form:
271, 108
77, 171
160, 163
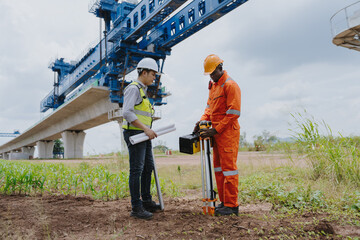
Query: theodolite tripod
208, 193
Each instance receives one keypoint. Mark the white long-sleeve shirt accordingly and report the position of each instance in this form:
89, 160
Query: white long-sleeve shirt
132, 97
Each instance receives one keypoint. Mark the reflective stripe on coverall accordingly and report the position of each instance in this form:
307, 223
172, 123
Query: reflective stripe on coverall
223, 110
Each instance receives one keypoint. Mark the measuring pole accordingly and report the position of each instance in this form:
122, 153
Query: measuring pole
158, 187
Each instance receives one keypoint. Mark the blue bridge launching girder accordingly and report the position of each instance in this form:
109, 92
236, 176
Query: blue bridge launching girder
14, 134
192, 18
132, 31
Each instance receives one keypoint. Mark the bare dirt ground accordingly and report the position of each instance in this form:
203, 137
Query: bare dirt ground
68, 217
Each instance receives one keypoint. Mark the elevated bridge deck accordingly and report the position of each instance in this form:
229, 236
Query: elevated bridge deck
89, 109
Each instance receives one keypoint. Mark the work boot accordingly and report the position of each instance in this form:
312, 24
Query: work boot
220, 205
151, 206
140, 212
224, 211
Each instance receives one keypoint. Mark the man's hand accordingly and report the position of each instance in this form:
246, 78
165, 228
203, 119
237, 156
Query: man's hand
197, 127
150, 133
206, 133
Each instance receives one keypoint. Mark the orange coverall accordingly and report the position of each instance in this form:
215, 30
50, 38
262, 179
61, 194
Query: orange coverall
223, 110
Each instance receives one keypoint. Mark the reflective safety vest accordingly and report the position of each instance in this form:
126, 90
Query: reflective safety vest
143, 111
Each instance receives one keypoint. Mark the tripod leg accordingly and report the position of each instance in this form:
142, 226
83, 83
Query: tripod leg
202, 175
210, 188
208, 176
212, 195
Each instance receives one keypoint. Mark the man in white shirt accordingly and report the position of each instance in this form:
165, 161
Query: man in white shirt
138, 112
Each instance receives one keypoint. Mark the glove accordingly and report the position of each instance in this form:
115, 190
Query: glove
196, 128
206, 133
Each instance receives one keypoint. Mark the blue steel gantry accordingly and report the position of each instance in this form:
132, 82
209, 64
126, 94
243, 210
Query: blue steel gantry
14, 134
132, 31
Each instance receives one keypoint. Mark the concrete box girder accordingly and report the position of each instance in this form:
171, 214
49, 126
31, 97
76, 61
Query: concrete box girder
89, 109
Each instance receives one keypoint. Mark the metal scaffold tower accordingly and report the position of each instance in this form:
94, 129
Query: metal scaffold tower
345, 25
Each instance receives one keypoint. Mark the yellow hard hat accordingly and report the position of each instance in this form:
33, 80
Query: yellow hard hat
210, 63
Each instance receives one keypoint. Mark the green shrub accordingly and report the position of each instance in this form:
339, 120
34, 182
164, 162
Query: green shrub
336, 158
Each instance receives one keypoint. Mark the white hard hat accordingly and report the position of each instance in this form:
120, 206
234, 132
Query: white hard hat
148, 63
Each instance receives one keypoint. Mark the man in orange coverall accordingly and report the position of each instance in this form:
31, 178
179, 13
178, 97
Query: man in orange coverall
223, 110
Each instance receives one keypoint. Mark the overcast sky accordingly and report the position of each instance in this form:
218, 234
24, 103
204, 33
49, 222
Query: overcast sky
279, 52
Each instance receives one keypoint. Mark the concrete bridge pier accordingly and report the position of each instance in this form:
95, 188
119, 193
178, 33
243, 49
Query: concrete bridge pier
5, 156
28, 152
25, 153
11, 154
123, 147
73, 143
45, 148
14, 155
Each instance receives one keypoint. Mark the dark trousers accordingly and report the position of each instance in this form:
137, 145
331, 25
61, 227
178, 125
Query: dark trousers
141, 167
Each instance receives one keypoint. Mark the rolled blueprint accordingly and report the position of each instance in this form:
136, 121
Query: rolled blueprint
138, 138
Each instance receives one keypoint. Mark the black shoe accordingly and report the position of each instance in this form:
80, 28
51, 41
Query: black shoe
151, 206
221, 205
224, 211
140, 212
